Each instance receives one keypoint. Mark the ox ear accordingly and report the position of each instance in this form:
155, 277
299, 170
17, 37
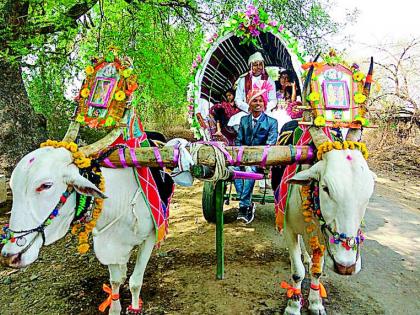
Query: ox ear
306, 176
84, 186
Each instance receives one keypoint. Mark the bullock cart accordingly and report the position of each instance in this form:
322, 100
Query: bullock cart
333, 94
216, 69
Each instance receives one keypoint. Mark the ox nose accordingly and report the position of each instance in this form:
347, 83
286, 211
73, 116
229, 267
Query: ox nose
10, 260
345, 270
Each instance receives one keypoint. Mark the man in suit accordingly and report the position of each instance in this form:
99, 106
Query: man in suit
254, 129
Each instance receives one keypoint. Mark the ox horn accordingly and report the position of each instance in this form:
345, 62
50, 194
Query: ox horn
106, 141
318, 136
72, 132
307, 82
368, 81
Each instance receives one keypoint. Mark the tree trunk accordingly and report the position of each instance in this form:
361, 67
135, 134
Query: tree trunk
21, 129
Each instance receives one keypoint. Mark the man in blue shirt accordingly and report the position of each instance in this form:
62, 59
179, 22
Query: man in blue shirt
254, 129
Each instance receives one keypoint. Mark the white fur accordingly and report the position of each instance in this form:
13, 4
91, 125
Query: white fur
350, 183
123, 223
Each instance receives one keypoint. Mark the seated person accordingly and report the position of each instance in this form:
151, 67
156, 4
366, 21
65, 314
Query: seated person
256, 74
254, 129
221, 114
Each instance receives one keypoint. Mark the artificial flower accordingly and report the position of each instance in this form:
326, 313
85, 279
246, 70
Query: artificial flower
109, 122
281, 28
89, 70
313, 97
80, 119
250, 10
359, 98
83, 248
319, 121
273, 23
194, 64
127, 72
199, 58
262, 26
120, 96
84, 93
358, 76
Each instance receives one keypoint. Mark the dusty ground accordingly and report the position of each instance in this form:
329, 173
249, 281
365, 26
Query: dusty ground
180, 278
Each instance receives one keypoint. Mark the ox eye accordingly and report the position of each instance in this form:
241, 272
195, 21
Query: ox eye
44, 186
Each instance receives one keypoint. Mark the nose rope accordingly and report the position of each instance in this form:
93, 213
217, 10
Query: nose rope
8, 234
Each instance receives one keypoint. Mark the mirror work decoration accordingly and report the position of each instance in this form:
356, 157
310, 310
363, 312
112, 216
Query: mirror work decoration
106, 92
338, 94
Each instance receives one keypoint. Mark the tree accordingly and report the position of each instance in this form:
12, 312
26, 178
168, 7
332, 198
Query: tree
398, 102
43, 44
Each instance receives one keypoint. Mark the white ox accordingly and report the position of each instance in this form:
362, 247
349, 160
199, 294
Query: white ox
37, 183
345, 186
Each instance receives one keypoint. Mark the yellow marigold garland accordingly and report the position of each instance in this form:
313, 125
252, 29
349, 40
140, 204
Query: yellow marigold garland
81, 161
336, 145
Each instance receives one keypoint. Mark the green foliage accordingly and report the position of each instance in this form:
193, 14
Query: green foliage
53, 41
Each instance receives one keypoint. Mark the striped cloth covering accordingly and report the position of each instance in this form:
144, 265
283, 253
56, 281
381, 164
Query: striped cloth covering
301, 136
157, 186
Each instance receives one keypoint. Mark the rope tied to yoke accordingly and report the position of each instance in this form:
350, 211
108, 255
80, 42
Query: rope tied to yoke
221, 172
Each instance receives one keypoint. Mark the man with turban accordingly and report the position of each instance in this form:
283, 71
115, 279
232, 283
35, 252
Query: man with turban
254, 129
256, 74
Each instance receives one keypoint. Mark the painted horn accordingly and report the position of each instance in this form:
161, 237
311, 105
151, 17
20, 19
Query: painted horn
99, 145
72, 132
318, 136
368, 81
307, 82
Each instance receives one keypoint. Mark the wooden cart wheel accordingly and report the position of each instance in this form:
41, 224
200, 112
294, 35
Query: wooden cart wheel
209, 202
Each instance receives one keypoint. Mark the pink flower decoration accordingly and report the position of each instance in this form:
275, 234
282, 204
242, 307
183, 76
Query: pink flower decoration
281, 27
194, 64
273, 23
256, 19
215, 35
199, 58
294, 113
255, 33
262, 26
251, 10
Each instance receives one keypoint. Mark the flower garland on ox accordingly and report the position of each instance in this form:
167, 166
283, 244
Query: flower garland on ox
84, 226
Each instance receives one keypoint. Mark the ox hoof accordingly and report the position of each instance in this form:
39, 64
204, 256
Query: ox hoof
293, 308
134, 311
319, 310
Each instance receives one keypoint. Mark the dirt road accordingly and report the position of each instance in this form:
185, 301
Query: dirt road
180, 278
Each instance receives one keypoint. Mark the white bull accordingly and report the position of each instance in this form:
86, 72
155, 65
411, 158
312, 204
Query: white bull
37, 183
345, 186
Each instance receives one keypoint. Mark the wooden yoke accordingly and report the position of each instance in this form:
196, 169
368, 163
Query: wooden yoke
252, 155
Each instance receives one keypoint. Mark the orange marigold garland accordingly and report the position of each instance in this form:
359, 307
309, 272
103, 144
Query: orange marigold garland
84, 229
82, 162
308, 213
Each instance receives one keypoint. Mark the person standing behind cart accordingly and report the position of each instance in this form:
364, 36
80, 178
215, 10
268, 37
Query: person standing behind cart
207, 125
254, 129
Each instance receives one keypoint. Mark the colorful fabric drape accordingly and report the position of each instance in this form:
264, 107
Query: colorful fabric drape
156, 185
301, 136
